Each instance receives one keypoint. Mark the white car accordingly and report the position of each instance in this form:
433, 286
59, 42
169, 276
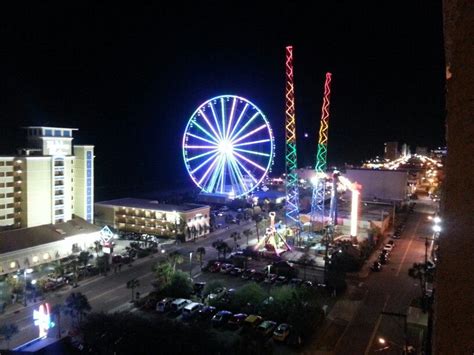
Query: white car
388, 247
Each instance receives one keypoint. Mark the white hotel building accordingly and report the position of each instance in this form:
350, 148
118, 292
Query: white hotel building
49, 183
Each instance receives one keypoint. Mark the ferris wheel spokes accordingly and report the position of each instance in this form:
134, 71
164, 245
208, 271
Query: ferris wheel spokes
230, 118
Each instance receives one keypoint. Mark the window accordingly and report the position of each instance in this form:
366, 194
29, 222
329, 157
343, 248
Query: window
57, 133
48, 132
67, 133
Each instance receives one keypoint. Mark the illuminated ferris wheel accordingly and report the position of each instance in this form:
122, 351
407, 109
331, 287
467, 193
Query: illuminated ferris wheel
228, 146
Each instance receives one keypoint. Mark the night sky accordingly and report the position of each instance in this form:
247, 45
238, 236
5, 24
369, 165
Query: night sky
130, 77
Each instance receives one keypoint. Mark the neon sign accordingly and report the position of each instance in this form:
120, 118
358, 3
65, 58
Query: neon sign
42, 319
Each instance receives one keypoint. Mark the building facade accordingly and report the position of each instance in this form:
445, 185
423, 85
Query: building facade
390, 150
48, 182
150, 217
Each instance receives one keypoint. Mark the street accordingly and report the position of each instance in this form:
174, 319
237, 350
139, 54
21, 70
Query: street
390, 290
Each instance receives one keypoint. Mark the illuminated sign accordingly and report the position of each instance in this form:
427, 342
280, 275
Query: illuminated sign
42, 319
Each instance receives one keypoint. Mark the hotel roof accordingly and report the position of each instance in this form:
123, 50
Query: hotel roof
17, 239
150, 205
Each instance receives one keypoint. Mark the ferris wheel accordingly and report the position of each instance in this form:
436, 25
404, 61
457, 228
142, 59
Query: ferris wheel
228, 146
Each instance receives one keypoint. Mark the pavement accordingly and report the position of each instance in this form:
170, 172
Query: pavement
355, 323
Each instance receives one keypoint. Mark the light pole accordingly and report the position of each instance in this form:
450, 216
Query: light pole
25, 272
191, 265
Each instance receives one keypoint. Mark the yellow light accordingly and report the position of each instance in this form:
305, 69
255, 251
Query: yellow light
35, 259
13, 265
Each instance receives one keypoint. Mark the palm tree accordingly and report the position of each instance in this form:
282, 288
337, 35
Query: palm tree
175, 258
201, 251
76, 305
217, 244
247, 233
225, 249
7, 331
132, 284
56, 310
257, 218
235, 236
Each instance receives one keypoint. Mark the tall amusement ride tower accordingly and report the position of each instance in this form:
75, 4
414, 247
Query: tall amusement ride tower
319, 189
292, 194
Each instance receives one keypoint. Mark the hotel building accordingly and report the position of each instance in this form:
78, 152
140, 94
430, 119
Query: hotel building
48, 182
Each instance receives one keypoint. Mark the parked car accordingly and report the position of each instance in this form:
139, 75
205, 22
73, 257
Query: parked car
164, 305
266, 328
218, 293
270, 278
178, 305
207, 312
281, 332
376, 266
198, 287
225, 268
252, 321
307, 284
383, 258
296, 282
248, 273
191, 310
236, 271
221, 318
215, 267
392, 243
258, 276
280, 280
388, 247
236, 321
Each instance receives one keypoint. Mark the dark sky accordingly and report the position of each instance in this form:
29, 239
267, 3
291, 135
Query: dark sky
129, 77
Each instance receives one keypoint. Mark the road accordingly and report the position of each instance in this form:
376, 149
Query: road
390, 290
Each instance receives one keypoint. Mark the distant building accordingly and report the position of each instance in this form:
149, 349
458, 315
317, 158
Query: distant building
151, 217
390, 150
48, 182
421, 150
405, 150
381, 185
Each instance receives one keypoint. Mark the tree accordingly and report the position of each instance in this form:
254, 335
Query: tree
423, 273
201, 251
235, 236
175, 258
133, 284
258, 219
306, 260
211, 287
84, 257
221, 247
7, 331
180, 285
163, 272
248, 297
217, 244
247, 233
56, 311
76, 305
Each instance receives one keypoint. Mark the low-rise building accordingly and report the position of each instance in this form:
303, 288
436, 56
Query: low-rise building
29, 247
151, 217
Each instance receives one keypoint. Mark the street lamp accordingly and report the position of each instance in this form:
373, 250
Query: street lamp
437, 228
190, 264
25, 272
437, 219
